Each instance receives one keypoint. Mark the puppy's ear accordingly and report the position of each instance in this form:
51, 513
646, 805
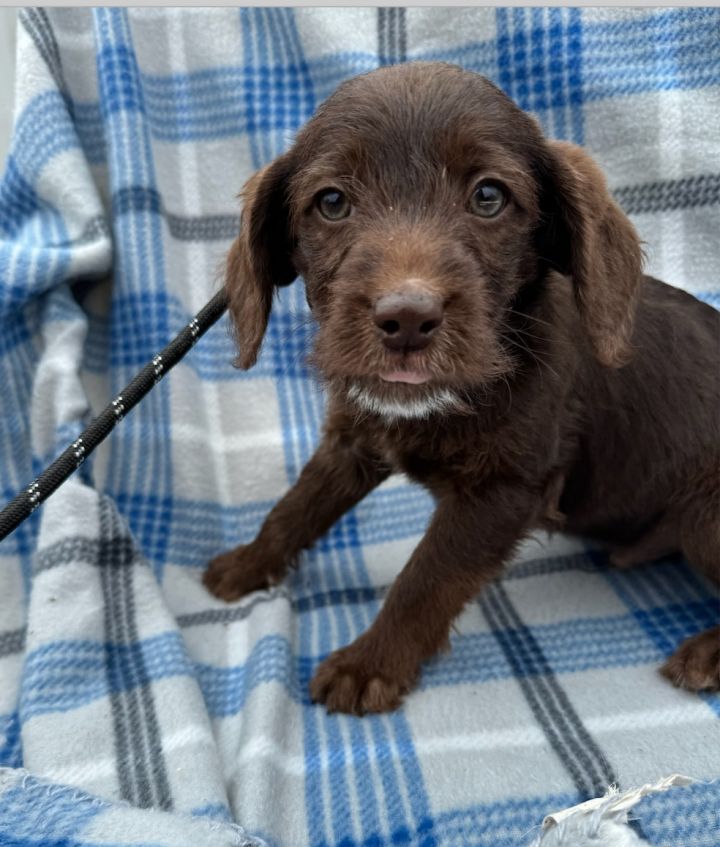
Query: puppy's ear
592, 240
259, 258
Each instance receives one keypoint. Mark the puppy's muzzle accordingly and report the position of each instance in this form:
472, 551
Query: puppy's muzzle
407, 321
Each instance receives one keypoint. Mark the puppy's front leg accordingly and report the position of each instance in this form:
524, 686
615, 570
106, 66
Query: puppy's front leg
465, 546
338, 476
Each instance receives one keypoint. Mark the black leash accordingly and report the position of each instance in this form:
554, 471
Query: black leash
22, 506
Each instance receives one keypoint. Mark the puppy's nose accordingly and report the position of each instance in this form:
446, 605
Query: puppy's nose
408, 320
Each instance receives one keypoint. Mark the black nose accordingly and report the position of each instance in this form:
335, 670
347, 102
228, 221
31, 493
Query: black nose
408, 320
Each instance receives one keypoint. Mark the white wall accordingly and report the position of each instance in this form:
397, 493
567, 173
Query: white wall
7, 78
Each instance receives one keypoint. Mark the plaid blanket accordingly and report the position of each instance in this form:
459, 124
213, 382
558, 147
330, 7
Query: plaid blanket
137, 709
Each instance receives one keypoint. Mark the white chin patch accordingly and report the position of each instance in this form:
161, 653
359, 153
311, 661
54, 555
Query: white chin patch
434, 401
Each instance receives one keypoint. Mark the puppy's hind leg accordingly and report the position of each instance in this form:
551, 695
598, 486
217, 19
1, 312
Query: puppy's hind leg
695, 665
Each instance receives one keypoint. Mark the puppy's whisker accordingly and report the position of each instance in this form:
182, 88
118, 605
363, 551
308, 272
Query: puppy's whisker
535, 318
537, 357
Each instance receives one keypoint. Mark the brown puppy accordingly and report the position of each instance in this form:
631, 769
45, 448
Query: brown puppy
484, 326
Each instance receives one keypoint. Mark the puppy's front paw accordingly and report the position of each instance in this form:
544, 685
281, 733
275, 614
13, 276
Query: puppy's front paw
351, 680
238, 572
696, 663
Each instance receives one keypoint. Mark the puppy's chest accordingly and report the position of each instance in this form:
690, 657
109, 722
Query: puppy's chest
443, 457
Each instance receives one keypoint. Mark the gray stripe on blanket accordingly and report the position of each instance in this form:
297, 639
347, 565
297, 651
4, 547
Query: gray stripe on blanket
81, 549
316, 600
85, 550
365, 594
95, 229
650, 197
141, 765
38, 27
671, 194
12, 641
580, 755
392, 35
202, 227
182, 227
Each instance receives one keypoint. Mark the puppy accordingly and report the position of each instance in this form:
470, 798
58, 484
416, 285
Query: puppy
484, 325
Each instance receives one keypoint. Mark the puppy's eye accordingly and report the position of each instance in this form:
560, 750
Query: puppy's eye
488, 199
333, 204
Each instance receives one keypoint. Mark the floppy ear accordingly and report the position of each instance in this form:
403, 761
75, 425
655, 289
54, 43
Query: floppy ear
259, 258
592, 240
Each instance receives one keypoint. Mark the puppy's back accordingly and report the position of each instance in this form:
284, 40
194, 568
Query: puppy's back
653, 426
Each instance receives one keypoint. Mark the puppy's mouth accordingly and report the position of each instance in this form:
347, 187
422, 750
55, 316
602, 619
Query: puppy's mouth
409, 367
407, 376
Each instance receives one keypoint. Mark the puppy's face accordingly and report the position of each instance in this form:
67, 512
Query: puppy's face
421, 206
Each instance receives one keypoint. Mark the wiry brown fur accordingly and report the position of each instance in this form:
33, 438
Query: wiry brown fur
585, 394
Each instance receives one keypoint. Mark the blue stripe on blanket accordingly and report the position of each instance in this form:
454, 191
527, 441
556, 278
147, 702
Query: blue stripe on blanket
68, 674
664, 50
19, 201
25, 807
532, 73
690, 817
198, 527
10, 743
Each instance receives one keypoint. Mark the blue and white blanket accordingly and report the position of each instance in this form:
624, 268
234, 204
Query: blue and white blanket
137, 709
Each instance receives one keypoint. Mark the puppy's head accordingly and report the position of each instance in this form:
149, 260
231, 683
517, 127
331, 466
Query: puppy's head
421, 205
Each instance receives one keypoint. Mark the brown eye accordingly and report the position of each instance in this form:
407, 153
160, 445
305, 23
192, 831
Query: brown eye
333, 204
488, 199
